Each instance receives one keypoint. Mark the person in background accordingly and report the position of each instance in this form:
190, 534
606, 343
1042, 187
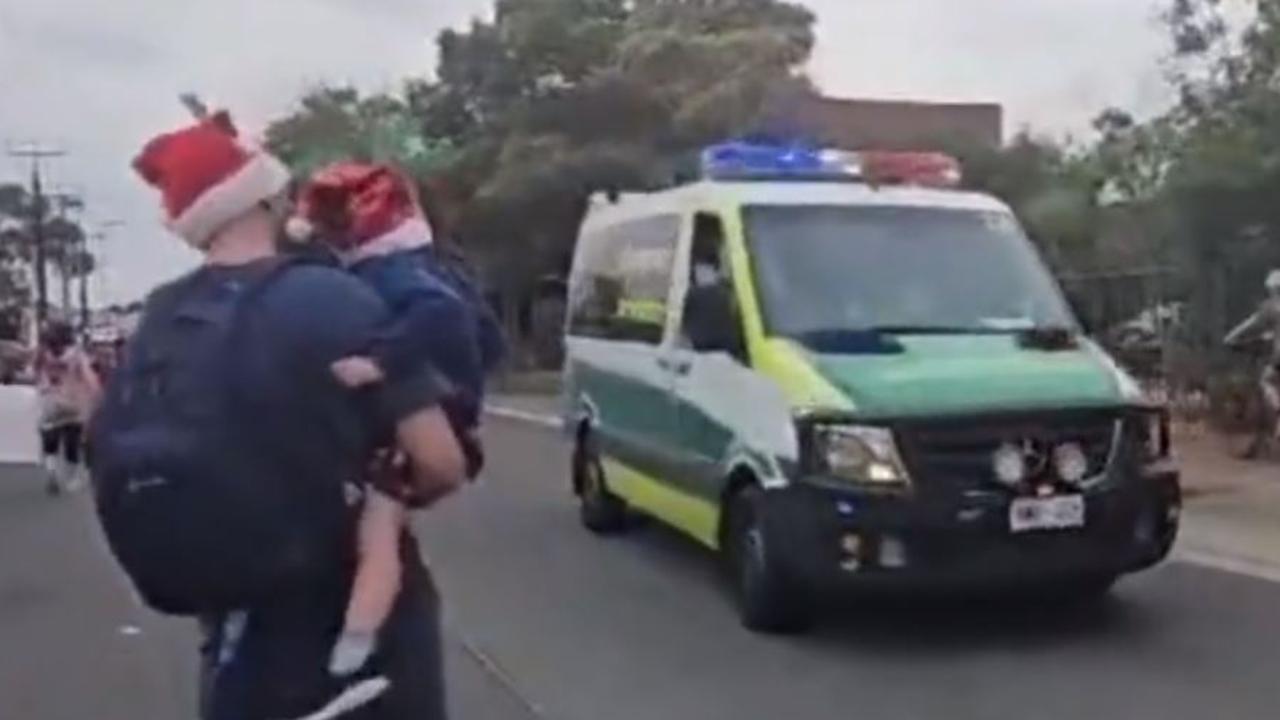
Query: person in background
1266, 321
68, 389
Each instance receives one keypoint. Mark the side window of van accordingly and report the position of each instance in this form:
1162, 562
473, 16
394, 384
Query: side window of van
710, 321
622, 285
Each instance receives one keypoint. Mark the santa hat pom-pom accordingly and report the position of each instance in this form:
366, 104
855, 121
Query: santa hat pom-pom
222, 120
299, 229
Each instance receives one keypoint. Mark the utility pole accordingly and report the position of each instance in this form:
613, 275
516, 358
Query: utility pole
36, 154
100, 235
65, 200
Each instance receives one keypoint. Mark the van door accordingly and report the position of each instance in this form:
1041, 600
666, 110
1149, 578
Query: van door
617, 328
705, 361
723, 406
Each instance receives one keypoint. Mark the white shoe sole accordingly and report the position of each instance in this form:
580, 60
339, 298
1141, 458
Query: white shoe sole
353, 698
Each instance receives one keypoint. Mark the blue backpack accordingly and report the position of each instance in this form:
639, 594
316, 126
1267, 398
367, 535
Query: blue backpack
197, 506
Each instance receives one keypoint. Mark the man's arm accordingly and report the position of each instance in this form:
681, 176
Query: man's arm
342, 318
1251, 325
435, 461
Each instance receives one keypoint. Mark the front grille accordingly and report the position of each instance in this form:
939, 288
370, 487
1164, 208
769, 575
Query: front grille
958, 452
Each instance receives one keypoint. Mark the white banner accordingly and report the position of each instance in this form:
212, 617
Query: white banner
19, 424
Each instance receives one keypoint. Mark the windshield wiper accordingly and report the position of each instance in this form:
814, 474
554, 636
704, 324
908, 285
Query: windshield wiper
934, 330
849, 341
1049, 337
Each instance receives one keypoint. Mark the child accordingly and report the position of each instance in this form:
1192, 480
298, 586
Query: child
370, 218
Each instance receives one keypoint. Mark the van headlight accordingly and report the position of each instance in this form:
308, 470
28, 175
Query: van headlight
860, 453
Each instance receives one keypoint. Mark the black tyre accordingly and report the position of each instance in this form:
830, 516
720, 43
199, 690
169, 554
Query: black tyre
602, 512
768, 600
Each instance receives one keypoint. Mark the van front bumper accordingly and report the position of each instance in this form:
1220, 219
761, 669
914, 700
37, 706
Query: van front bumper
830, 535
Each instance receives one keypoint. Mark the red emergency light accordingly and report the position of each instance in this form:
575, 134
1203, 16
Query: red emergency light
925, 169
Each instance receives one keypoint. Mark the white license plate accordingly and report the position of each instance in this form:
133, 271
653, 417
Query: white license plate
1054, 513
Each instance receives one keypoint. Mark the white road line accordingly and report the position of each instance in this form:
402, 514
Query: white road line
539, 419
1235, 564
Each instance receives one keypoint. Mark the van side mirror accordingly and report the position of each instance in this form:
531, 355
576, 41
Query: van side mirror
1083, 312
711, 321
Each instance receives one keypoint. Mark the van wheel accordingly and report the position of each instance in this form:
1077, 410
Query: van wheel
602, 512
768, 601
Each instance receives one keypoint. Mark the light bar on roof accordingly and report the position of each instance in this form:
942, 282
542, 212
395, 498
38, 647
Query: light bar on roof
796, 162
929, 169
759, 161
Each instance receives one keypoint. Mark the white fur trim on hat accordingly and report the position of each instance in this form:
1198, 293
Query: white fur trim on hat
1273, 279
408, 235
261, 178
299, 229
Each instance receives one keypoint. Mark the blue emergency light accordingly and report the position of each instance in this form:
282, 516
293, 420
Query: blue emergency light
760, 161
765, 161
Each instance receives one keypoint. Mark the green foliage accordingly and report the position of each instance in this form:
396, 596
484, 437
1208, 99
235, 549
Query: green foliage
14, 293
1053, 190
65, 247
1224, 180
551, 100
333, 124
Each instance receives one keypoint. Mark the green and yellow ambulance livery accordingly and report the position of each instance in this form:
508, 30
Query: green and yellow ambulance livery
842, 373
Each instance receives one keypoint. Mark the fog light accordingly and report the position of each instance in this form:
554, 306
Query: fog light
851, 547
1071, 463
1009, 465
893, 554
851, 544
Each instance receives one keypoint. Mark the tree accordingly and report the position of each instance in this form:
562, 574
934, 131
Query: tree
336, 123
552, 100
65, 248
576, 96
15, 291
1052, 189
1224, 180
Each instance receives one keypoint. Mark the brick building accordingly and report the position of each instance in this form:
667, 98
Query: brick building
887, 124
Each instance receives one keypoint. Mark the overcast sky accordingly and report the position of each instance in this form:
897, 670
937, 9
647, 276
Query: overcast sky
99, 77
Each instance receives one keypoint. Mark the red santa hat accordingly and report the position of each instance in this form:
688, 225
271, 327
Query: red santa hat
361, 210
207, 178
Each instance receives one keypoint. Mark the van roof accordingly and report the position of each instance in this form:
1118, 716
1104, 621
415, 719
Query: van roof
711, 194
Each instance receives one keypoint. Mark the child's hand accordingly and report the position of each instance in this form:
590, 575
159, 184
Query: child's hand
355, 372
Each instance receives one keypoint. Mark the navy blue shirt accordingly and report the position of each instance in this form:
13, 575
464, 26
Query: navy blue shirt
301, 324
429, 319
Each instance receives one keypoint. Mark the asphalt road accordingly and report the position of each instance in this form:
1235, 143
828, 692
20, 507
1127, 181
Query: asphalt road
640, 627
546, 621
